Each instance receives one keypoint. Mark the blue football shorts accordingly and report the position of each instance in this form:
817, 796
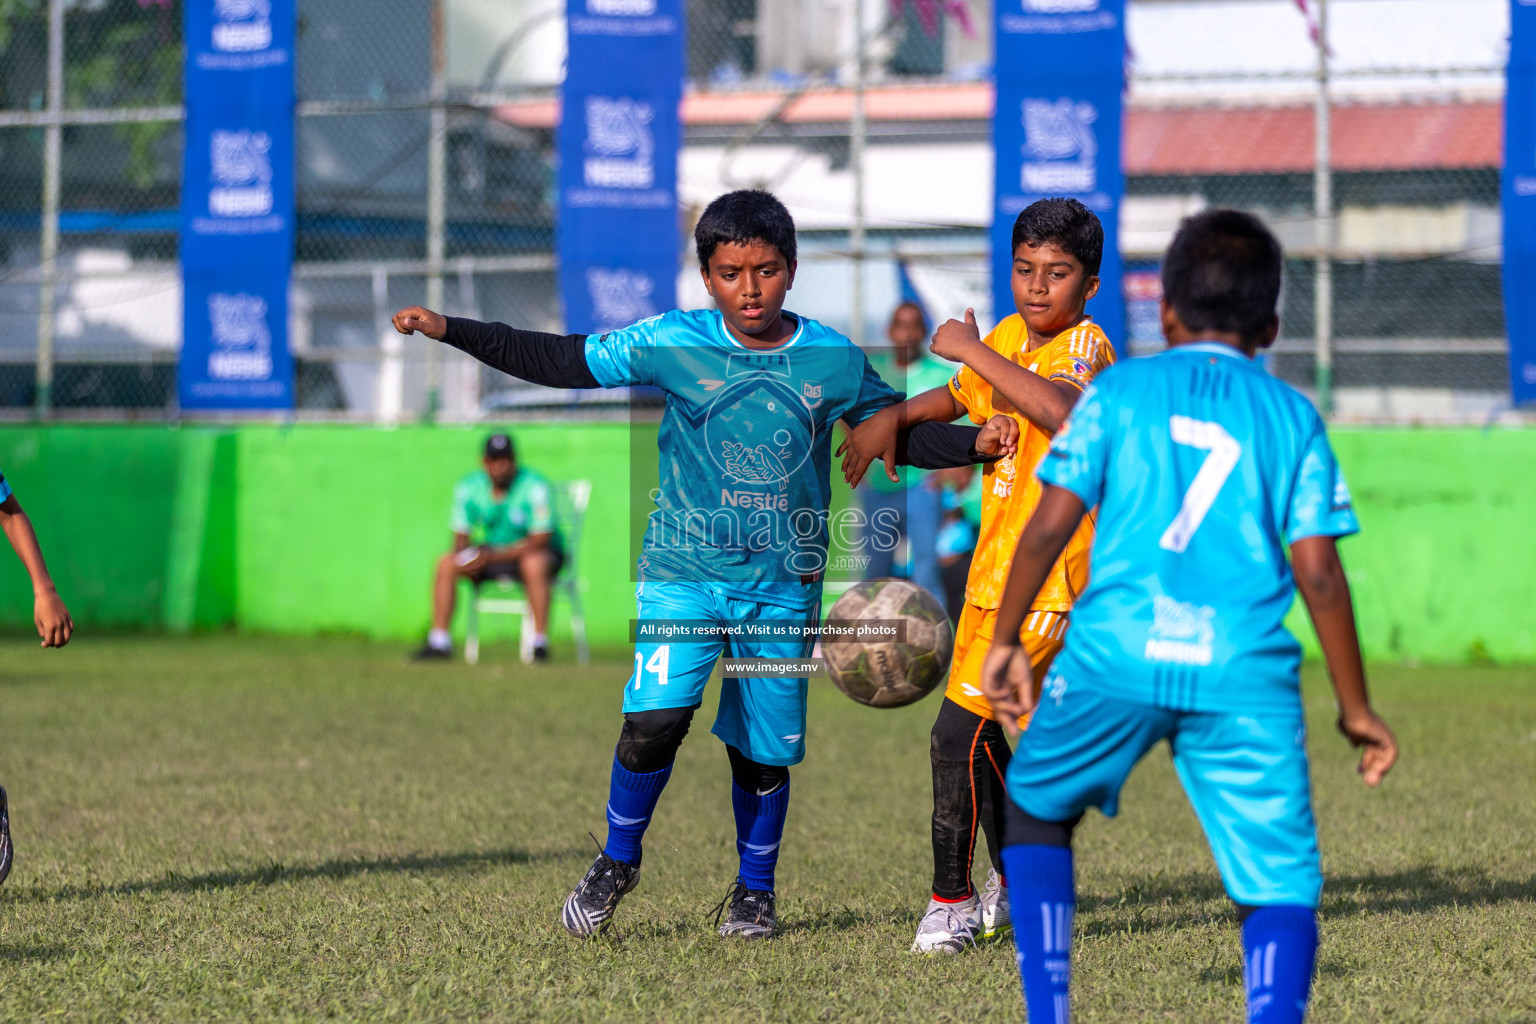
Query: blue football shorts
1245, 774
762, 718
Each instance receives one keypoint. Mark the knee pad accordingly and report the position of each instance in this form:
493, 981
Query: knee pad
1020, 828
649, 740
755, 777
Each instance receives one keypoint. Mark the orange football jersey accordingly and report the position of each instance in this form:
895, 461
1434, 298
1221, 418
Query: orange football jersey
1009, 488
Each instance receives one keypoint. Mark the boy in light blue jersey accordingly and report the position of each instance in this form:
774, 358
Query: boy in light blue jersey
48, 614
739, 532
1204, 468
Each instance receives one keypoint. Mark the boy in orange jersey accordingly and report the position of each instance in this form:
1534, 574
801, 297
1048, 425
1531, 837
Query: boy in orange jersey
1032, 367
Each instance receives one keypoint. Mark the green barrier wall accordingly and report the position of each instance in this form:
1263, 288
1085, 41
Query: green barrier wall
316, 529
1444, 568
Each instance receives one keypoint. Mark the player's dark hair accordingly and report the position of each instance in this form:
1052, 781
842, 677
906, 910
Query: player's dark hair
741, 217
1222, 273
1065, 223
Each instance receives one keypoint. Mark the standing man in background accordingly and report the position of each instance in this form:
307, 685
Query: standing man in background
503, 525
48, 614
909, 507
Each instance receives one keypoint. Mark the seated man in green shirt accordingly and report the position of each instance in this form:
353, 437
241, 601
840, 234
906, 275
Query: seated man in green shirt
503, 528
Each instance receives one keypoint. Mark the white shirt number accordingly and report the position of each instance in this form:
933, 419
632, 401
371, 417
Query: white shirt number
656, 665
1218, 465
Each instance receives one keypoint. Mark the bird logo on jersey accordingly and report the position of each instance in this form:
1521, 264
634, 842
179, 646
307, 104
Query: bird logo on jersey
759, 428
1181, 632
759, 465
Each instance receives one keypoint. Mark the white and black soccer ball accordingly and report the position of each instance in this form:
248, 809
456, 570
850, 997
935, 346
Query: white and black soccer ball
880, 670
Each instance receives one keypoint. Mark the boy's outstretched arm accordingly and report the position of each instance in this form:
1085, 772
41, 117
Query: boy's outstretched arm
554, 360
877, 436
1045, 403
48, 612
1005, 675
1323, 585
948, 445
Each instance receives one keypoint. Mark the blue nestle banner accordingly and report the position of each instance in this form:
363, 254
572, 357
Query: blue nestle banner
1056, 130
618, 140
237, 205
1519, 195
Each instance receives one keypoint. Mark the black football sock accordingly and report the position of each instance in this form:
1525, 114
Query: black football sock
959, 759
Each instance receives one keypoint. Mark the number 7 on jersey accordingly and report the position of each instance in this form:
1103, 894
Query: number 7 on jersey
1218, 465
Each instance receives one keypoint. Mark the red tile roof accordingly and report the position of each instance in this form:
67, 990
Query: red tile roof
1188, 140
1267, 140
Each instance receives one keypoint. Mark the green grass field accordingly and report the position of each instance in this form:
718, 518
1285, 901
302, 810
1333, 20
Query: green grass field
276, 830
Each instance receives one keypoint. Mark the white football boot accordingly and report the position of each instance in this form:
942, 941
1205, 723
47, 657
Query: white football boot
589, 908
948, 927
996, 914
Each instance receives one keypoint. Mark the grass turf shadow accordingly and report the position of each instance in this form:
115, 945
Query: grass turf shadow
32, 954
273, 873
1156, 902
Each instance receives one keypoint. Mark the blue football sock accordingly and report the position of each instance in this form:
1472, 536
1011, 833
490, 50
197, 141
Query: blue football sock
759, 828
1043, 899
631, 802
1279, 951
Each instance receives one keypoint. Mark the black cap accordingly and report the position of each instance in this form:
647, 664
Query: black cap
498, 446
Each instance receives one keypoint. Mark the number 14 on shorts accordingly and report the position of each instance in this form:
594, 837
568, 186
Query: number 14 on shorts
656, 665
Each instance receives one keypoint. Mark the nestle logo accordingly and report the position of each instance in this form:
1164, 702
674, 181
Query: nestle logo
755, 499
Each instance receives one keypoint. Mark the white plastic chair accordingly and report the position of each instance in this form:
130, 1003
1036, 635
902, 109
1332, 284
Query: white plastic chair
508, 598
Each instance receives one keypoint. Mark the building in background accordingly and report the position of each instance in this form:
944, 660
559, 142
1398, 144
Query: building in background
1220, 113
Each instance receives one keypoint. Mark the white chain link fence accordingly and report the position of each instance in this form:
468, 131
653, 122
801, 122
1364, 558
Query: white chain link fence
90, 177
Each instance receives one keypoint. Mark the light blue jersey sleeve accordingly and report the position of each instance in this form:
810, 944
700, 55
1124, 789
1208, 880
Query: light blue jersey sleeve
874, 394
1080, 450
625, 356
5, 488
1320, 504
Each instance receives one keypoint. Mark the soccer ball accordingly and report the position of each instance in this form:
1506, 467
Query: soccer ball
867, 658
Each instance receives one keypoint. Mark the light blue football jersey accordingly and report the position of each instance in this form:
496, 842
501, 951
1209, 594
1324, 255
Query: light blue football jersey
1203, 468
745, 448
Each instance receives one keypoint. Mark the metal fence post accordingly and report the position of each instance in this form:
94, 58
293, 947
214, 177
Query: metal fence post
391, 382
1322, 205
437, 184
53, 155
469, 368
858, 131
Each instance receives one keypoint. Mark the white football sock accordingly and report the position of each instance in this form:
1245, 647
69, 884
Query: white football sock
439, 640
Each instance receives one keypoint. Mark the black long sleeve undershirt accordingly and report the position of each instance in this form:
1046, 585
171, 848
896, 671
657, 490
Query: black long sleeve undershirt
554, 360
560, 361
937, 446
